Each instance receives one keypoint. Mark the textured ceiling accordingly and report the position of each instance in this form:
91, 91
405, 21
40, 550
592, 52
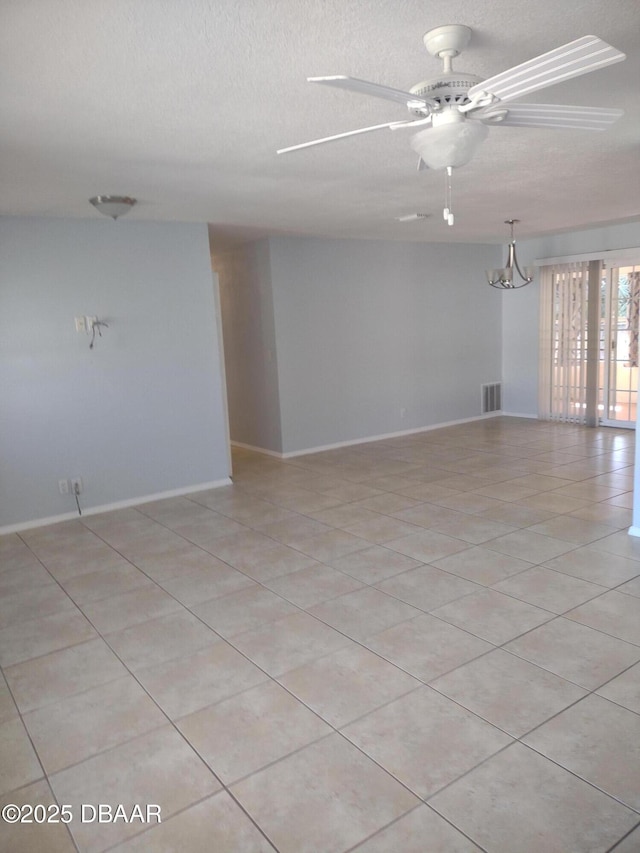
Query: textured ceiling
183, 103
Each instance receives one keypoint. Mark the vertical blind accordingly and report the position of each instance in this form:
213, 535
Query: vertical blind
564, 323
634, 316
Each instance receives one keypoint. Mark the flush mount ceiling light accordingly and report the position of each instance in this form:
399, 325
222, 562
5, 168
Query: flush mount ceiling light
113, 205
503, 279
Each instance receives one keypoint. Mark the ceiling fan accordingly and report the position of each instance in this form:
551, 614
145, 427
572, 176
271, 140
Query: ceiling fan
452, 112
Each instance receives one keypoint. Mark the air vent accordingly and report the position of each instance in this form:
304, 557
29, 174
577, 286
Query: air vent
491, 397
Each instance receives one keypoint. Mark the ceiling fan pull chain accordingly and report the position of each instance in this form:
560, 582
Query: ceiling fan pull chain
447, 213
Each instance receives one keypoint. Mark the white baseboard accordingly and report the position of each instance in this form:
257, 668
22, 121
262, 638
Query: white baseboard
255, 449
387, 435
129, 502
38, 522
367, 439
518, 415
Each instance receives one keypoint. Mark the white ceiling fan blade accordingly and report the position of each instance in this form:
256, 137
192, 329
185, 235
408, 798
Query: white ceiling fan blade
577, 57
551, 115
375, 89
418, 122
337, 136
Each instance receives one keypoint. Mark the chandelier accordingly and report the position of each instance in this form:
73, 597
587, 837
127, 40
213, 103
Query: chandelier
503, 279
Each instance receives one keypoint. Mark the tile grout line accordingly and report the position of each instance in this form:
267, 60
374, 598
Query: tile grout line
359, 642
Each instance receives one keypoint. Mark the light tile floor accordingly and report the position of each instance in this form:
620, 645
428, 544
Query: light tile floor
428, 644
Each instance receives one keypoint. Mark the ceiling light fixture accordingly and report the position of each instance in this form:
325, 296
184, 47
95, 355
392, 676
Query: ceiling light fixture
113, 205
448, 144
503, 279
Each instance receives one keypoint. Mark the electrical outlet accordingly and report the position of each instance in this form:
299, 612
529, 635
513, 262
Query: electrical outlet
403, 413
76, 486
63, 487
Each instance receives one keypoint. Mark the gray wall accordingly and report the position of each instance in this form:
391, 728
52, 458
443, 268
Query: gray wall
366, 329
249, 345
140, 414
521, 308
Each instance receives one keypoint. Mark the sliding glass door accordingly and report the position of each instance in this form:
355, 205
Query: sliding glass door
589, 320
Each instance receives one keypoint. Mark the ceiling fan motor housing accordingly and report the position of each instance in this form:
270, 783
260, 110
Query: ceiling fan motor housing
446, 89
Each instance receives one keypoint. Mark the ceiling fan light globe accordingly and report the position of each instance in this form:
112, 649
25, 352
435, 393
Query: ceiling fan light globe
449, 144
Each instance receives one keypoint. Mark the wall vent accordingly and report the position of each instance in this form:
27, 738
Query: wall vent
491, 397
